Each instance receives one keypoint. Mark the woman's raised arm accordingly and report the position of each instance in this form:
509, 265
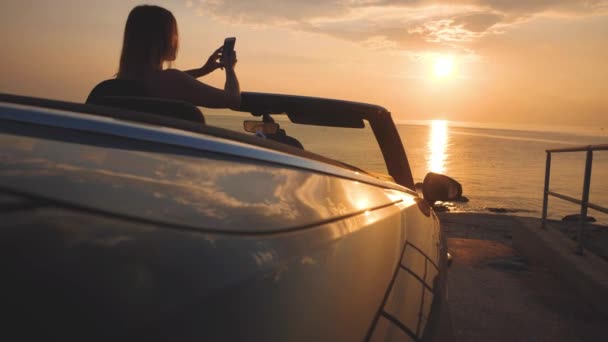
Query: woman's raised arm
179, 85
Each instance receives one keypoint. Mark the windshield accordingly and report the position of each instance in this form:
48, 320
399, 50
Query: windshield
353, 146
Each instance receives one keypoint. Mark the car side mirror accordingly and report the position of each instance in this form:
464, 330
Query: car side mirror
438, 187
253, 126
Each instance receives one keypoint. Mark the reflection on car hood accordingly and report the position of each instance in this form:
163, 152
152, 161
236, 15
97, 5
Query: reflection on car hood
207, 192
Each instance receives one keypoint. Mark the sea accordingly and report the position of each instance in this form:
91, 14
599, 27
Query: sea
501, 168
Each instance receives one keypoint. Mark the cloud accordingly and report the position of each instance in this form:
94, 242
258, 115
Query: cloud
408, 25
478, 22
537, 6
522, 7
272, 12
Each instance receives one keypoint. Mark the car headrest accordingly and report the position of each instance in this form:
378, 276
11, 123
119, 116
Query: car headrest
117, 87
130, 94
165, 107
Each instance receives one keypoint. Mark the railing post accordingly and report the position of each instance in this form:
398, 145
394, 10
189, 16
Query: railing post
546, 192
585, 201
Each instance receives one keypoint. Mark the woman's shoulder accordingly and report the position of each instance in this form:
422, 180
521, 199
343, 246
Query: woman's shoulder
166, 80
173, 83
166, 76
171, 74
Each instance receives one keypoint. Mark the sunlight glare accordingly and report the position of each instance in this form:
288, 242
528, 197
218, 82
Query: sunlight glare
362, 203
444, 66
437, 145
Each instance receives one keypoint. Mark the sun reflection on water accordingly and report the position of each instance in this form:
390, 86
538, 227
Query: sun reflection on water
437, 145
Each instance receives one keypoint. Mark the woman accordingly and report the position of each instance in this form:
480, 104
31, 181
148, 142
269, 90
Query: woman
150, 41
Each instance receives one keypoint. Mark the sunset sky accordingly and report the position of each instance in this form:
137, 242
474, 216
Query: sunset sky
542, 62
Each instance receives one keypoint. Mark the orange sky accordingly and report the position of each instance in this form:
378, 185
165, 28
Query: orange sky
519, 61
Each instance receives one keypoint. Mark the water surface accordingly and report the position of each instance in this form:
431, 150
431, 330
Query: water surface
498, 167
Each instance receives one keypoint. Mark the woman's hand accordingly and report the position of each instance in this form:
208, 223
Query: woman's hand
217, 60
213, 62
229, 60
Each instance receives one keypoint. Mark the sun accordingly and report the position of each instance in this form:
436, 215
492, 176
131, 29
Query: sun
444, 66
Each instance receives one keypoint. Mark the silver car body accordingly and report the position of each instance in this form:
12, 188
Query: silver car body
114, 229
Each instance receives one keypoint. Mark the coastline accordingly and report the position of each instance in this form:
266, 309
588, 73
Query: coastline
556, 216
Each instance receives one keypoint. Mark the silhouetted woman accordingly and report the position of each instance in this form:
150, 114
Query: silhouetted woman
150, 41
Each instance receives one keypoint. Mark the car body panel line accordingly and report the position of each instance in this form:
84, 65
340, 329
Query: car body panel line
400, 325
386, 294
413, 274
423, 253
421, 309
65, 204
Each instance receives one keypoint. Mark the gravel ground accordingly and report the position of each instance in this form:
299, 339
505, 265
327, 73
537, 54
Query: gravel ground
497, 295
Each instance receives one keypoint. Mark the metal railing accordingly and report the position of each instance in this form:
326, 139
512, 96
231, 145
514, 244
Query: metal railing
584, 202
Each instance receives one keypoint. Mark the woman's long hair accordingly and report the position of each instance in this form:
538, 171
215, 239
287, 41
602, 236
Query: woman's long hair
150, 39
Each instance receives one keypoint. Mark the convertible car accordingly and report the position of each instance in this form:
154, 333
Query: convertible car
131, 218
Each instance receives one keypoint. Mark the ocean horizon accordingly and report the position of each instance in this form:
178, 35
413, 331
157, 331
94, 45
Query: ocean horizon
600, 131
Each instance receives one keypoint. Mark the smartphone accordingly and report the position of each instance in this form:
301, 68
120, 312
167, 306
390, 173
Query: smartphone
229, 44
